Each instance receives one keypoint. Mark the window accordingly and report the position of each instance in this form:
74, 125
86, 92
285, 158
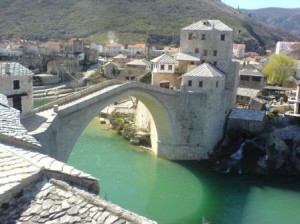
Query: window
16, 84
203, 36
222, 37
196, 50
170, 67
205, 53
244, 78
192, 63
215, 53
162, 67
200, 84
215, 63
190, 83
190, 36
256, 79
217, 84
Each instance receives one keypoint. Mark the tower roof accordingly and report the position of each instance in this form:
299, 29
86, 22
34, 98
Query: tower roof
13, 68
204, 70
208, 25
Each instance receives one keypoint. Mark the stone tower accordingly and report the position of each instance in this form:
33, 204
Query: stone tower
213, 40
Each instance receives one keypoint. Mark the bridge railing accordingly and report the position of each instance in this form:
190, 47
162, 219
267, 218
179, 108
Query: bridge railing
78, 95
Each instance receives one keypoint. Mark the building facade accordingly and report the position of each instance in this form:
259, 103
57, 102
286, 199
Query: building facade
288, 48
16, 83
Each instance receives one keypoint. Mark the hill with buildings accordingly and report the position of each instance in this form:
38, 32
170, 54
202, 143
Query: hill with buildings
127, 21
287, 19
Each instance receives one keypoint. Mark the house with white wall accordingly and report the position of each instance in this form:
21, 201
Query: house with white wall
239, 51
16, 83
113, 48
163, 71
288, 48
134, 49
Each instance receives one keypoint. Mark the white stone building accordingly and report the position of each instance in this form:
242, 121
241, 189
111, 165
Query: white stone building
113, 49
163, 71
239, 51
97, 47
134, 49
16, 84
204, 78
288, 48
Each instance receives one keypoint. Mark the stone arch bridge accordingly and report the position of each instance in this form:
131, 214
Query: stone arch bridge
179, 119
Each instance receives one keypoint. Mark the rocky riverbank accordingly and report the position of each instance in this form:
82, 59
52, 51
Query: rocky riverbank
276, 150
124, 125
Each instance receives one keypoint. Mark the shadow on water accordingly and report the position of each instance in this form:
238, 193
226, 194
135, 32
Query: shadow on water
247, 199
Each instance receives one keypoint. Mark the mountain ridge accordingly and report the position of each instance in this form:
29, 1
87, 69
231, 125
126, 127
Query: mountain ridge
127, 21
284, 18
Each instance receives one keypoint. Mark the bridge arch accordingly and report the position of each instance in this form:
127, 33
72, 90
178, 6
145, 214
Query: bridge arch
73, 119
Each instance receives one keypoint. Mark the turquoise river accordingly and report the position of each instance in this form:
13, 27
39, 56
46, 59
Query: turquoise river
183, 192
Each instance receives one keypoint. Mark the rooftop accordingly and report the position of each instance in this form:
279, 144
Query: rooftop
164, 59
205, 70
120, 56
138, 62
208, 25
187, 57
136, 46
241, 91
11, 129
251, 72
13, 68
239, 46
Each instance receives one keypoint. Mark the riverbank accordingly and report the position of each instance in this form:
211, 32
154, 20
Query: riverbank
275, 150
123, 123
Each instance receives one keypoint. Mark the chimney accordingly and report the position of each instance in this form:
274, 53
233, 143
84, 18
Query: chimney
7, 69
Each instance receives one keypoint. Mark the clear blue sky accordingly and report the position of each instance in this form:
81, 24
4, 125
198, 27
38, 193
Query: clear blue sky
257, 4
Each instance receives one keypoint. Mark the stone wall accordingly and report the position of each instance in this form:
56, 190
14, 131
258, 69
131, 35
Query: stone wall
49, 79
7, 88
171, 77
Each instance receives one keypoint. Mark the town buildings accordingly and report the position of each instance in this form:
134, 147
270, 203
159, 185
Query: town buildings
207, 42
72, 47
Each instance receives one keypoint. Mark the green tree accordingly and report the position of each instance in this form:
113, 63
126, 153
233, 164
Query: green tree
279, 68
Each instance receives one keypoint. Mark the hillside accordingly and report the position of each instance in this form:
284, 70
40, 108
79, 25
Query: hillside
127, 21
287, 19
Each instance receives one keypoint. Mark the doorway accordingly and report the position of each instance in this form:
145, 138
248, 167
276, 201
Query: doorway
17, 103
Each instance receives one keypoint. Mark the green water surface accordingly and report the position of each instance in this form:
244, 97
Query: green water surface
184, 192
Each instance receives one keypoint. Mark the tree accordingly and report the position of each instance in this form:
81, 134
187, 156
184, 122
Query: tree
279, 68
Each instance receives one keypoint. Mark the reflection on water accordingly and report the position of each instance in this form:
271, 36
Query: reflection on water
183, 192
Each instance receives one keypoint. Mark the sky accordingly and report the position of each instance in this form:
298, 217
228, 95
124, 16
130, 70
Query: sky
256, 4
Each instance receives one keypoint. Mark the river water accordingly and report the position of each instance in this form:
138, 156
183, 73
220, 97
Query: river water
181, 193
